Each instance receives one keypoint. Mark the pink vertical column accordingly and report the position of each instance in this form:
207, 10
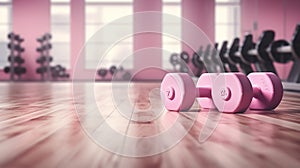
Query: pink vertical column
147, 39
77, 34
31, 19
202, 14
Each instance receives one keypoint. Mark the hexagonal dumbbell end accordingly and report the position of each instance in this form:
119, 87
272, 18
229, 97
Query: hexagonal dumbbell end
232, 92
178, 91
267, 90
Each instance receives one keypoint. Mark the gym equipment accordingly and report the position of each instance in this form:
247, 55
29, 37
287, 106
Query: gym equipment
214, 58
257, 54
58, 71
282, 52
234, 55
179, 92
17, 70
228, 92
180, 60
118, 72
174, 60
113, 69
267, 90
228, 64
205, 57
185, 57
198, 64
45, 59
15, 59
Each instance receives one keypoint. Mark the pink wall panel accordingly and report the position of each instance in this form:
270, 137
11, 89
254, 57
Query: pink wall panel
78, 37
150, 39
31, 19
202, 14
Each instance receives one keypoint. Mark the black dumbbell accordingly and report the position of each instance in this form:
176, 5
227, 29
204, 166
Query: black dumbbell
102, 72
185, 56
113, 69
235, 56
44, 48
206, 57
17, 59
283, 52
43, 59
41, 70
198, 64
13, 36
17, 70
19, 39
228, 64
257, 54
174, 60
126, 76
20, 70
16, 47
47, 36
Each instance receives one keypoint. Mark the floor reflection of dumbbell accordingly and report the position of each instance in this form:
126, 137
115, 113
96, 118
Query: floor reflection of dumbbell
282, 51
229, 92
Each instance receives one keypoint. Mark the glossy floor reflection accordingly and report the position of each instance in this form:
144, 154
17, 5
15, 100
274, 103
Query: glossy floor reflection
40, 126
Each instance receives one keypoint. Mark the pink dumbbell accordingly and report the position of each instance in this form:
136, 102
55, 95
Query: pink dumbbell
232, 91
266, 92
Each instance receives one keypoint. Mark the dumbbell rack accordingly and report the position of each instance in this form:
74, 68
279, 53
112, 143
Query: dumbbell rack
15, 59
44, 59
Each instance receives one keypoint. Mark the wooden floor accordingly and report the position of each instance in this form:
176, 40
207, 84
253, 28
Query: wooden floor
49, 125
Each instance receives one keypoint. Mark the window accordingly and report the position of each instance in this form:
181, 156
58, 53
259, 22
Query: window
60, 30
171, 44
98, 13
227, 20
5, 28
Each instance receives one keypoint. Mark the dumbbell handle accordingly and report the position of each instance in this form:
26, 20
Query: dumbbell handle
200, 92
253, 52
256, 92
203, 92
284, 49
